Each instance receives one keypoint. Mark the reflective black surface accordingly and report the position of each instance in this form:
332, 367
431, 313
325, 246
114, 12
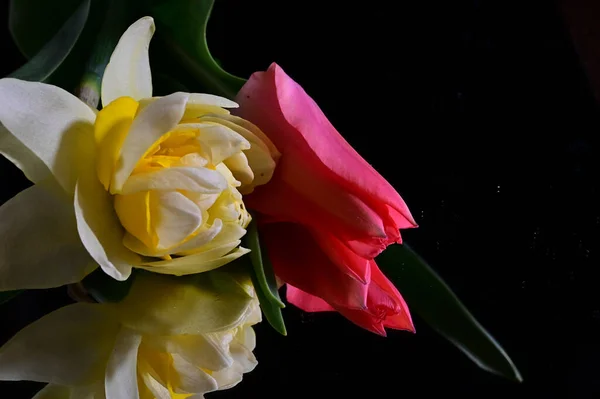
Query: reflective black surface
481, 116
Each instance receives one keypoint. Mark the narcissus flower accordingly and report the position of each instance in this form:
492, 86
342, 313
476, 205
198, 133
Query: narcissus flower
142, 348
326, 213
147, 182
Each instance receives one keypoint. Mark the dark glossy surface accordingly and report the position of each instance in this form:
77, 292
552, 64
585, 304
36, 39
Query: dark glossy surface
480, 114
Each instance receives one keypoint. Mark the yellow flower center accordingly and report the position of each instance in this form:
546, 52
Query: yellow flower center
183, 196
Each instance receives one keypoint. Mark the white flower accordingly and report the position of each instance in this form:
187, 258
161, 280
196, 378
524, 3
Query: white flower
147, 182
142, 348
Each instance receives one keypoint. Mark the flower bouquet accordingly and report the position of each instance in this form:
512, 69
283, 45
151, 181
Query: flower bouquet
175, 219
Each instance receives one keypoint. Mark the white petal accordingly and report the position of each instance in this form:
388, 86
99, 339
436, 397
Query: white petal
204, 201
203, 236
244, 362
197, 263
175, 217
262, 166
53, 124
193, 159
17, 153
128, 71
261, 156
93, 391
224, 170
201, 239
198, 105
194, 179
150, 124
52, 391
210, 99
202, 350
69, 346
254, 316
40, 245
191, 378
100, 229
238, 165
156, 387
211, 252
247, 336
247, 129
218, 141
208, 302
121, 371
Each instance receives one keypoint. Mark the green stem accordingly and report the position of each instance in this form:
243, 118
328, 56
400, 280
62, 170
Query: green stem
115, 22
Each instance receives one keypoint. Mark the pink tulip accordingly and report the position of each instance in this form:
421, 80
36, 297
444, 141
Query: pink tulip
326, 213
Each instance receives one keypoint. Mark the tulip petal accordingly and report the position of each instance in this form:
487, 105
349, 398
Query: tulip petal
333, 175
69, 346
51, 124
40, 245
99, 227
128, 71
206, 302
301, 115
121, 370
307, 267
194, 179
385, 306
150, 124
340, 255
305, 301
345, 216
402, 319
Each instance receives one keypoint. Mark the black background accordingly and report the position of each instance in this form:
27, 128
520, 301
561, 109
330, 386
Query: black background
480, 114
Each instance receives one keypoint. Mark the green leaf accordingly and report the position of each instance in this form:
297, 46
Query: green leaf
272, 312
104, 288
182, 25
429, 297
263, 279
263, 270
45, 62
6, 296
